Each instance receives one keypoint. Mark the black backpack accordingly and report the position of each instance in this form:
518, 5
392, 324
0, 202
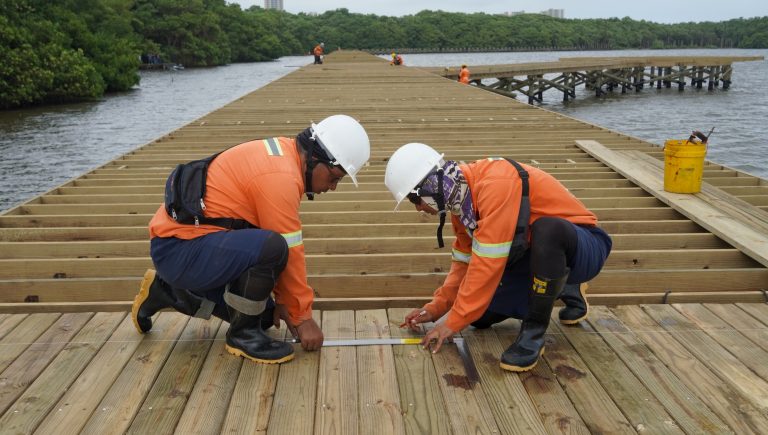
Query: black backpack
185, 194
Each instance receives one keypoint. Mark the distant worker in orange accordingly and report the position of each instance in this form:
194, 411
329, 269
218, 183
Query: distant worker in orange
464, 74
318, 52
396, 59
521, 236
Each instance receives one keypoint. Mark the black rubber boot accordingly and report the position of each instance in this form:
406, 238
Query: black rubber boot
155, 295
247, 302
529, 345
246, 338
576, 306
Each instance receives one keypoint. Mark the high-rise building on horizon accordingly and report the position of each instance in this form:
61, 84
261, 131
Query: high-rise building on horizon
273, 4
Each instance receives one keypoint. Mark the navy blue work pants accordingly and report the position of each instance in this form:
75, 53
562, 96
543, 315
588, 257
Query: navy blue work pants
205, 265
511, 297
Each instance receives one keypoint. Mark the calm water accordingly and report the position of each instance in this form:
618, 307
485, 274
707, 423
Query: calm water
42, 148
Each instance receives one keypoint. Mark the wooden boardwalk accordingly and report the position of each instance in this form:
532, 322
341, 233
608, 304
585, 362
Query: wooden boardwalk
660, 369
71, 261
83, 246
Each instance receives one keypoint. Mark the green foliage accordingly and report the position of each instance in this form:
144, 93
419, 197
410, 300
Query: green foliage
68, 50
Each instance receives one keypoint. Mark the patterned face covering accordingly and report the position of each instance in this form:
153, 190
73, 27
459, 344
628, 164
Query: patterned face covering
458, 198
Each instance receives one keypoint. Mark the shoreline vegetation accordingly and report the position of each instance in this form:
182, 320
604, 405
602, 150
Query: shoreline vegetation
77, 50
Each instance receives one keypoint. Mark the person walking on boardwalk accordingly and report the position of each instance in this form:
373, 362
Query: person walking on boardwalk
464, 75
397, 60
318, 52
520, 237
249, 241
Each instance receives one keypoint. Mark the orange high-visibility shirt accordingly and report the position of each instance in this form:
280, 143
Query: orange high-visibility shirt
318, 50
479, 260
262, 182
464, 76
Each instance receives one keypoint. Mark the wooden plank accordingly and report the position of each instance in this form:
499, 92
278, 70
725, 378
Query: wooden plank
9, 321
378, 394
79, 402
117, 409
45, 390
711, 353
365, 245
26, 332
734, 408
420, 397
758, 311
466, 404
555, 409
749, 326
639, 405
690, 413
502, 388
336, 410
293, 408
742, 225
733, 340
252, 395
28, 366
367, 264
208, 404
595, 406
164, 404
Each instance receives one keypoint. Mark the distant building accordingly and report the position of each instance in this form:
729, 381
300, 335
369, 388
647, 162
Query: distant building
555, 13
273, 4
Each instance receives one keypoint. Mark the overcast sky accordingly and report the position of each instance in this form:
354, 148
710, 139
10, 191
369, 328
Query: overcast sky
660, 11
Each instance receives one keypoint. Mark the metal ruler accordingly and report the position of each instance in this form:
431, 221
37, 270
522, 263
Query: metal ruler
466, 357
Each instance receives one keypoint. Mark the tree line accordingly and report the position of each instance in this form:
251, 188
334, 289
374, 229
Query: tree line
73, 50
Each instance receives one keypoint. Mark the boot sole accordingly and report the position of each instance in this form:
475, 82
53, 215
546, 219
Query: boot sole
518, 369
142, 296
238, 352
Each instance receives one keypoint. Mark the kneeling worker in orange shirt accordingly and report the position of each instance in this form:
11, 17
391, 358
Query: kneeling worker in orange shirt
521, 236
247, 241
464, 75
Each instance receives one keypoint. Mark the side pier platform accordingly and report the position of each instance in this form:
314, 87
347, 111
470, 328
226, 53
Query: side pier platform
602, 74
676, 341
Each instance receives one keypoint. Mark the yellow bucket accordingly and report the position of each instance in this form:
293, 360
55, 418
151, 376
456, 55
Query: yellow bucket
683, 166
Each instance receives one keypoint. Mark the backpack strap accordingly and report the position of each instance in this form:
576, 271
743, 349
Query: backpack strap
524, 215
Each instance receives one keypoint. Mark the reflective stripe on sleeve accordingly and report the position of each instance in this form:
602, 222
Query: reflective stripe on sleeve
463, 257
293, 239
273, 147
491, 250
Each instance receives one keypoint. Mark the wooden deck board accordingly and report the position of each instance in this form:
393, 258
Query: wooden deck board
171, 380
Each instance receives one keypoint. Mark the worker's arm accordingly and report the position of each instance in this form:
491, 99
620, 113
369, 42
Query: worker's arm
278, 210
461, 251
498, 203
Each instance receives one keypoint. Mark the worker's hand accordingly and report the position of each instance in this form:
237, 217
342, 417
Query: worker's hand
415, 317
438, 334
281, 313
310, 335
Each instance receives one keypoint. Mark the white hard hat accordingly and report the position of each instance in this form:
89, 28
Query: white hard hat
345, 141
408, 166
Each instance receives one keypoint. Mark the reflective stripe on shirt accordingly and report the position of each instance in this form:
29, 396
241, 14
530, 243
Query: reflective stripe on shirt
273, 147
463, 257
491, 250
293, 239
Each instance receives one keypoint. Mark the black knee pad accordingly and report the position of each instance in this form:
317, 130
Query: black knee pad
274, 253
